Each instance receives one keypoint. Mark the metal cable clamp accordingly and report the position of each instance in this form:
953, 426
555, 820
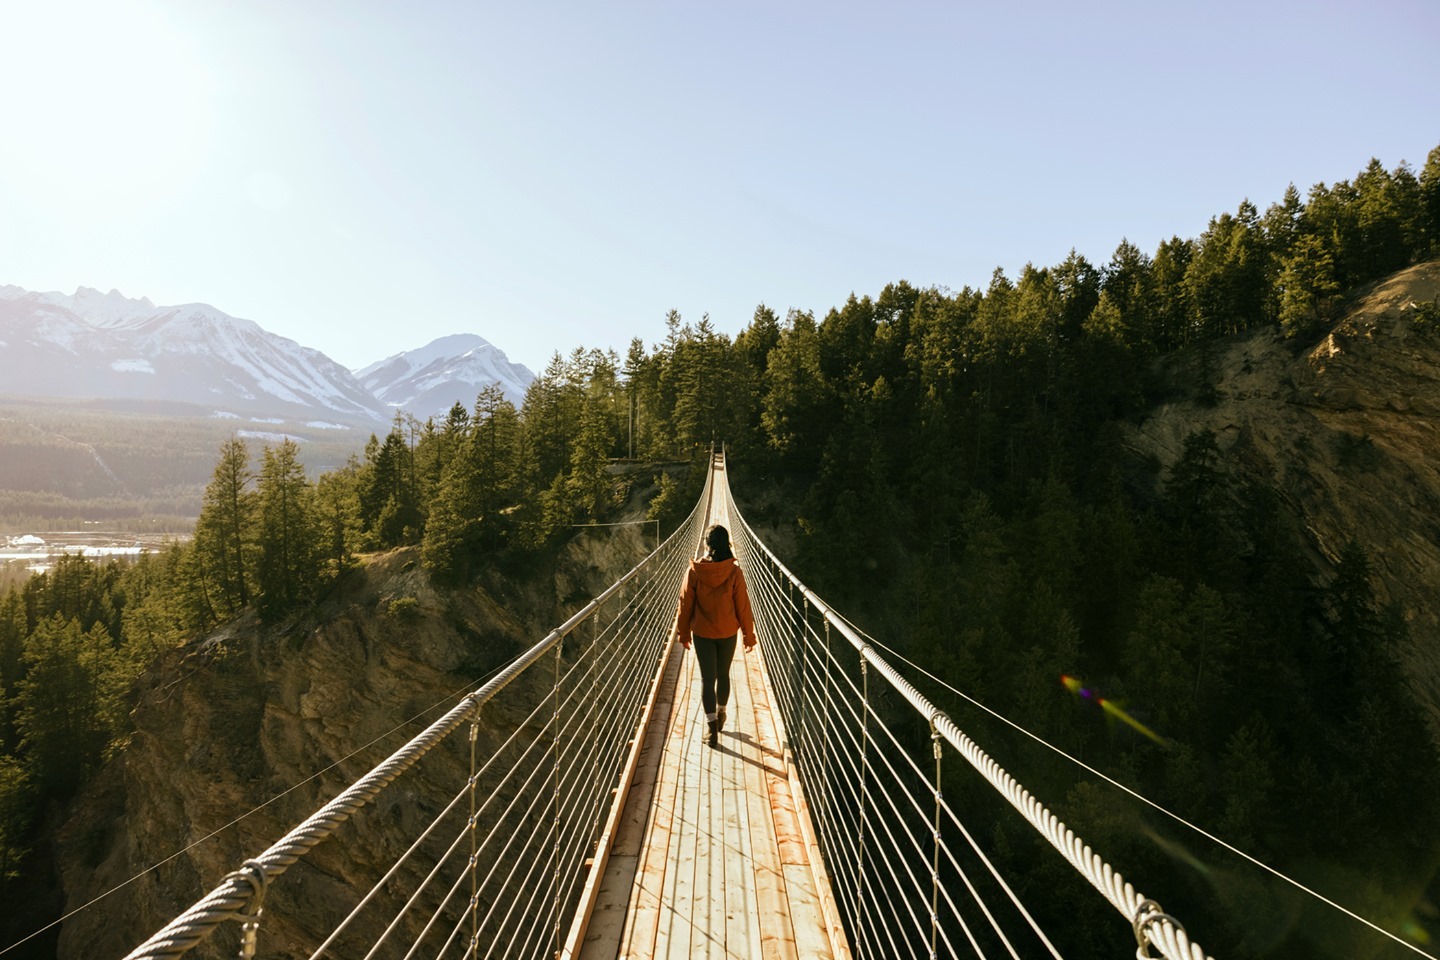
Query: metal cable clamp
253, 873
1146, 913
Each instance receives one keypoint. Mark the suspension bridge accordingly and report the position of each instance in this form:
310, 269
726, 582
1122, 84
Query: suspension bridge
601, 827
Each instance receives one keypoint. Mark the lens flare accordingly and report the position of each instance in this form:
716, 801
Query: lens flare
1110, 708
1414, 932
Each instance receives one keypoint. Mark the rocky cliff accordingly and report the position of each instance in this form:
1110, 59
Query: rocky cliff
242, 735
1347, 429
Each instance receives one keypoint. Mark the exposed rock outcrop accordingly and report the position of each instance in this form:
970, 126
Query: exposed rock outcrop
1348, 431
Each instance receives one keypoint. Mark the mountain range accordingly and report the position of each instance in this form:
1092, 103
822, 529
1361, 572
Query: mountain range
108, 346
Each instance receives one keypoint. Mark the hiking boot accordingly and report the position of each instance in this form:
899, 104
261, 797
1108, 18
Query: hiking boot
713, 740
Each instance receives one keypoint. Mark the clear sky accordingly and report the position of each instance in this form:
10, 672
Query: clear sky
364, 177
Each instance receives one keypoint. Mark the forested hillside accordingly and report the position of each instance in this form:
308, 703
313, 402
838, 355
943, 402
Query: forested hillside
136, 466
959, 474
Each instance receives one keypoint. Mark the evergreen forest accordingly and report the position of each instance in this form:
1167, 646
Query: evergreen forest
949, 465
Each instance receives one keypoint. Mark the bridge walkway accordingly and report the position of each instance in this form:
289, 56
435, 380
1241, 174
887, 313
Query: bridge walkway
713, 855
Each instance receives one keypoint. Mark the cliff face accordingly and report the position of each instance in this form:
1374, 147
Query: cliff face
1347, 430
244, 719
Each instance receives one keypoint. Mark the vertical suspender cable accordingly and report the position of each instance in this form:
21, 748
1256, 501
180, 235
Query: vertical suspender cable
596, 787
474, 853
864, 787
825, 730
803, 733
935, 854
555, 781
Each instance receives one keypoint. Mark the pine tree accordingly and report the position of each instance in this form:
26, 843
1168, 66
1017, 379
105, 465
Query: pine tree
155, 618
797, 397
67, 702
496, 455
288, 569
389, 499
1429, 199
225, 543
1330, 217
1226, 280
1169, 321
338, 519
1309, 294
18, 803
13, 631
1380, 216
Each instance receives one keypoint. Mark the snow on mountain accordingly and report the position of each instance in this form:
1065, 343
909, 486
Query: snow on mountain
90, 344
454, 369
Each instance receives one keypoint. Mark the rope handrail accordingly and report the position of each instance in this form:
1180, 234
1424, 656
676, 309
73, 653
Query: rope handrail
804, 704
1158, 928
237, 893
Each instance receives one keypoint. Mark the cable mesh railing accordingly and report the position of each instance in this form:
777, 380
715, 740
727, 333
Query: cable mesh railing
908, 875
497, 872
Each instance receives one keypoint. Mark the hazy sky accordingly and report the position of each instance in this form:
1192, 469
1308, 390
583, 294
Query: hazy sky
364, 177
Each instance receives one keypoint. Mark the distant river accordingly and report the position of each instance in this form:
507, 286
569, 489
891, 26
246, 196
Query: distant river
37, 551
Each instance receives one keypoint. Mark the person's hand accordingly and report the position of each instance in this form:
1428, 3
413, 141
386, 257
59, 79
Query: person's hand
749, 645
685, 642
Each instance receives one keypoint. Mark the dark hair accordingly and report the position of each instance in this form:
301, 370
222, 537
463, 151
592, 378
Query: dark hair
717, 539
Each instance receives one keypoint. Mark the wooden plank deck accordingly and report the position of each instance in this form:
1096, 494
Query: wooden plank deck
712, 854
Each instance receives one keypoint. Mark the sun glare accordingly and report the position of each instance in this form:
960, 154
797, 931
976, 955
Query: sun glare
107, 105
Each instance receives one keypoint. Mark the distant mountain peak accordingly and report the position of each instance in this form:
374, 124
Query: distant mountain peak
99, 308
429, 380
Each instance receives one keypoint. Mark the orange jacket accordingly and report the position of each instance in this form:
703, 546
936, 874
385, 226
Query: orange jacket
714, 602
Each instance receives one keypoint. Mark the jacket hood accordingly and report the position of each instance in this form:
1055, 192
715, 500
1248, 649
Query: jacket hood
712, 573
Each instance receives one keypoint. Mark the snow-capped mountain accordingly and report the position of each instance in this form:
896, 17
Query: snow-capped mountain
90, 344
429, 381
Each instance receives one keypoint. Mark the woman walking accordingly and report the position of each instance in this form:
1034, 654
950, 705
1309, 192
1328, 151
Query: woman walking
714, 604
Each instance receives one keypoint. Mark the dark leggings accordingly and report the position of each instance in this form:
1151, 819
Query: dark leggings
714, 657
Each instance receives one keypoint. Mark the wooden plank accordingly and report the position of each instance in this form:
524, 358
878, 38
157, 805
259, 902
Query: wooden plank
742, 933
698, 906
630, 833
742, 921
648, 897
773, 925
602, 888
607, 921
678, 896
811, 939
829, 918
